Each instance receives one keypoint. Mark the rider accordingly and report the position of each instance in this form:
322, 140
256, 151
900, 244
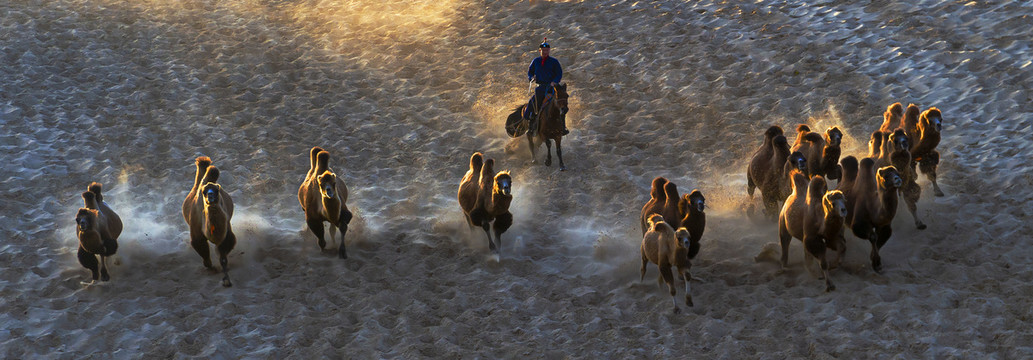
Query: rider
546, 72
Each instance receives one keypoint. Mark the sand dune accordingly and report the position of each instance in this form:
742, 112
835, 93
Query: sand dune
128, 93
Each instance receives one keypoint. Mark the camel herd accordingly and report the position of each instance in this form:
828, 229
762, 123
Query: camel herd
864, 200
866, 197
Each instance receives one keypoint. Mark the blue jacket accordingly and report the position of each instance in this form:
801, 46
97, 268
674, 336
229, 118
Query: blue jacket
547, 73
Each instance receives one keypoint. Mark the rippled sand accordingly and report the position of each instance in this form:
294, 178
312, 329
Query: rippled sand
127, 93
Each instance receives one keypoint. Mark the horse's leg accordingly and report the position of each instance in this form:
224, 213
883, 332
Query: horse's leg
530, 145
548, 152
559, 153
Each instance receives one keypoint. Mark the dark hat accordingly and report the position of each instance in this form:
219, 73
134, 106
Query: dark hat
545, 44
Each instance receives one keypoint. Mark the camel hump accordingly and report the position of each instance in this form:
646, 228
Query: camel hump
323, 159
895, 108
813, 137
476, 161
657, 223
488, 169
211, 174
912, 110
95, 188
932, 112
203, 161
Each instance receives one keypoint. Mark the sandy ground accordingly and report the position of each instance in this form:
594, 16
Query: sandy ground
127, 93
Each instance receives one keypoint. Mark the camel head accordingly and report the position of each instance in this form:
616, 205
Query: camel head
327, 184
799, 161
773, 131
834, 202
86, 219
695, 201
900, 140
683, 237
933, 117
889, 177
210, 193
503, 183
834, 135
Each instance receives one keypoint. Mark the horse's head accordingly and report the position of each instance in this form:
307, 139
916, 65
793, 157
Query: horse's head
561, 98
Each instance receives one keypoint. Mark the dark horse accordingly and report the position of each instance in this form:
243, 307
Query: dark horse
546, 127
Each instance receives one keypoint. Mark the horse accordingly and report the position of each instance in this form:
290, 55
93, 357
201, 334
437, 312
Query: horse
549, 125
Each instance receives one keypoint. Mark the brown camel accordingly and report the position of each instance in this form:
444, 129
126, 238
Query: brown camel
207, 211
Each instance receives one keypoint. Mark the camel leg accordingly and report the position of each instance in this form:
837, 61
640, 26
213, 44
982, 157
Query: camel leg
316, 226
559, 154
829, 286
928, 167
873, 238
770, 206
88, 261
343, 221
486, 225
224, 250
548, 152
200, 245
502, 223
815, 248
688, 290
665, 271
783, 239
110, 247
642, 270
104, 269
750, 185
911, 193
808, 263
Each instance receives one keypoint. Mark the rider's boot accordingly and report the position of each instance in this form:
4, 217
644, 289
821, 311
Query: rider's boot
565, 131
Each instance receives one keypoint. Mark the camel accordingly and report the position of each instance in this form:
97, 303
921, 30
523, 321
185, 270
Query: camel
925, 136
207, 211
656, 203
895, 151
485, 202
816, 219
872, 204
694, 220
323, 196
767, 170
665, 247
822, 153
97, 228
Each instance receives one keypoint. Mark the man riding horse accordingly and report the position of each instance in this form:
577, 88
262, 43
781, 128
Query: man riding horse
546, 72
